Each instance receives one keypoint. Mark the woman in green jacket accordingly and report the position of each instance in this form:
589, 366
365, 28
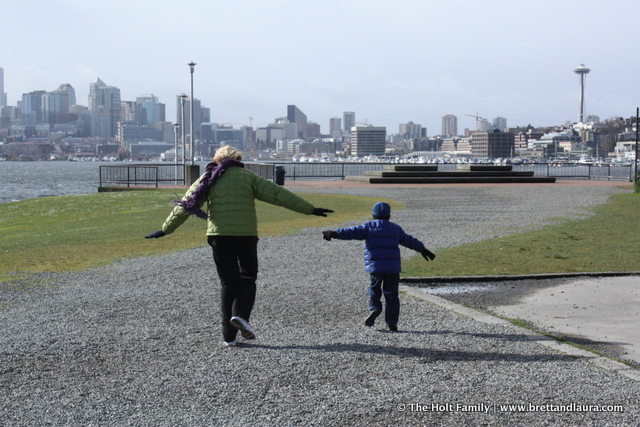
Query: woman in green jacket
225, 196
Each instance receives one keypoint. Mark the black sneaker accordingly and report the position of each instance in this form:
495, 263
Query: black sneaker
393, 328
371, 319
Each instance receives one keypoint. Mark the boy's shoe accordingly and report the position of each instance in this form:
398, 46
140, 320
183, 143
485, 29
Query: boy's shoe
371, 319
393, 328
230, 343
244, 327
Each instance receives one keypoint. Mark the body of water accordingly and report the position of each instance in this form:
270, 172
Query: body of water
29, 180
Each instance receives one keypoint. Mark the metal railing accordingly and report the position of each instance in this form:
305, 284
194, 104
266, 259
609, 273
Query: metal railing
322, 170
142, 175
168, 174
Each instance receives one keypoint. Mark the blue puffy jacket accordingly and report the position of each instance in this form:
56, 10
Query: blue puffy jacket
381, 251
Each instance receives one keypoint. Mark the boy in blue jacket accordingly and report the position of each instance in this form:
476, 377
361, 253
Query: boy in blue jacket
382, 260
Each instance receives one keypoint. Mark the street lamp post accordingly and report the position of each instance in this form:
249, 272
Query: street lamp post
637, 134
183, 97
176, 127
192, 66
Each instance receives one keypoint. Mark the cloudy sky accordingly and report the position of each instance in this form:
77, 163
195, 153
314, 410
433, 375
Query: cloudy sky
389, 61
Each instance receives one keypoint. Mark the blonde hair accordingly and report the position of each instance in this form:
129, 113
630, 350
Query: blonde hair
227, 152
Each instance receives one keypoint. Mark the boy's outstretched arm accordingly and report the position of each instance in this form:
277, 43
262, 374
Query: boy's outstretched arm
329, 234
427, 254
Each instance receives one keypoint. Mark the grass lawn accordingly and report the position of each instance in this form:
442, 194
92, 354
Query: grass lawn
606, 241
81, 231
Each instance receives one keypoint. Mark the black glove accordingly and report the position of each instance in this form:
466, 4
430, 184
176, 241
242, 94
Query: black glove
155, 235
427, 254
321, 211
329, 234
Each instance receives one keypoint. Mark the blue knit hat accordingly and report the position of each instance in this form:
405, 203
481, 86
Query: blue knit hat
381, 210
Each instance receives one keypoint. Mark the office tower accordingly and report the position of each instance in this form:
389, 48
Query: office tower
500, 123
335, 127
55, 107
349, 120
31, 108
129, 112
313, 130
3, 102
411, 130
582, 71
197, 115
449, 125
70, 91
149, 109
104, 106
493, 144
294, 115
368, 141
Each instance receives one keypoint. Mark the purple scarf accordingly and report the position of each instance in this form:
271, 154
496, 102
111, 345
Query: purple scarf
212, 172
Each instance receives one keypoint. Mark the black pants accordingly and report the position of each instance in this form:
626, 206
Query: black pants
236, 259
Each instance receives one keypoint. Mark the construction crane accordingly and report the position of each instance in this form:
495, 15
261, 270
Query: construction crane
478, 118
365, 123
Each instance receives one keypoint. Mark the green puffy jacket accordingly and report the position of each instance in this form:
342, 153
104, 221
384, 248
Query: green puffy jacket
231, 203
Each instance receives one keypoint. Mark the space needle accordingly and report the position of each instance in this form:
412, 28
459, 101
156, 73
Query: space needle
582, 71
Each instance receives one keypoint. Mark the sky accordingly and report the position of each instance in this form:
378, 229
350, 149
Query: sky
390, 62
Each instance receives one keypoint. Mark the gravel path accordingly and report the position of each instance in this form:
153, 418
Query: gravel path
138, 342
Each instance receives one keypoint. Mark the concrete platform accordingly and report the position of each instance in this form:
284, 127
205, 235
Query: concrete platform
420, 174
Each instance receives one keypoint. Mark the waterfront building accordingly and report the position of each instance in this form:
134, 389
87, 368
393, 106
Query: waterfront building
368, 141
521, 140
492, 144
105, 106
557, 143
449, 126
132, 132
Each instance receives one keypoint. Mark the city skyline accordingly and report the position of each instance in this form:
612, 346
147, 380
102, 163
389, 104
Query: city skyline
394, 63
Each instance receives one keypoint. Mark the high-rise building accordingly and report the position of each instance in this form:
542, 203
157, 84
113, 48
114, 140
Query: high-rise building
67, 88
294, 115
55, 107
197, 115
3, 96
500, 123
348, 120
104, 106
449, 125
412, 131
368, 141
335, 127
150, 109
31, 106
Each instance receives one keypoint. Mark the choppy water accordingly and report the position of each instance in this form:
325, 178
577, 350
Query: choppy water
29, 180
